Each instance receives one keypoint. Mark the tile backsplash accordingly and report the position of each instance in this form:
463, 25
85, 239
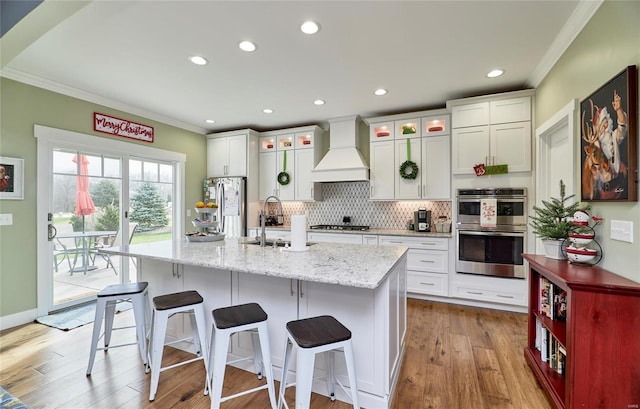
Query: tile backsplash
352, 199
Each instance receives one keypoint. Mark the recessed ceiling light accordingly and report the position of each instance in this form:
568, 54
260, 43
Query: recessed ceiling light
380, 91
197, 60
268, 111
495, 73
319, 102
247, 46
309, 27
210, 121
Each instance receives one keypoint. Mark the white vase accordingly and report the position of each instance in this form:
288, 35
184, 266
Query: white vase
553, 249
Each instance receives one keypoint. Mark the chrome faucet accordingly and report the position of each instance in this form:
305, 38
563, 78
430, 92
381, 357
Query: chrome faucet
263, 218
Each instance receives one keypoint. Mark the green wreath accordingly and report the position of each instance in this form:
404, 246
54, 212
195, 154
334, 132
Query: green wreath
284, 178
409, 169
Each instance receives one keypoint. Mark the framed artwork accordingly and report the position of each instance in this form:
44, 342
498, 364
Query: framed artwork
609, 143
11, 178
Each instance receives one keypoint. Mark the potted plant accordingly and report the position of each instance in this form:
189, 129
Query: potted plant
552, 222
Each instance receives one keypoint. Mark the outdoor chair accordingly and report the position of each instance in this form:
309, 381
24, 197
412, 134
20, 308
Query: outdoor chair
117, 241
66, 250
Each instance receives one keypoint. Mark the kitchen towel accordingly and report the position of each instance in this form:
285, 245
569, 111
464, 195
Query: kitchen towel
488, 212
298, 232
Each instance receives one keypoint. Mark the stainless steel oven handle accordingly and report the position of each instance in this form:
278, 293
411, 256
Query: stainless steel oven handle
491, 233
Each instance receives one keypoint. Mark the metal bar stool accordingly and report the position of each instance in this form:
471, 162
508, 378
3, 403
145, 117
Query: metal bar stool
106, 302
165, 306
226, 322
311, 336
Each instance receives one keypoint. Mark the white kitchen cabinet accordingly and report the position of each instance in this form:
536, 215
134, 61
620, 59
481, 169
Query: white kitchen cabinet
436, 168
407, 188
303, 151
370, 239
347, 238
382, 173
407, 128
490, 289
381, 131
427, 263
227, 156
492, 129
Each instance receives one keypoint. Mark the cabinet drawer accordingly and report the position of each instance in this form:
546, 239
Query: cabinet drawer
424, 243
427, 283
347, 238
492, 295
427, 260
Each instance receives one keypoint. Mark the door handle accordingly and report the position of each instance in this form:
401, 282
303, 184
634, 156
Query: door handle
51, 232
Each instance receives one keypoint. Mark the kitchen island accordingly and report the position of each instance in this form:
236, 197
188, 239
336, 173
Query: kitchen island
364, 287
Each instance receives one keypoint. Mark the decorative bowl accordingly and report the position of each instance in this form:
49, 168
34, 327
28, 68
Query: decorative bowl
581, 238
580, 255
201, 237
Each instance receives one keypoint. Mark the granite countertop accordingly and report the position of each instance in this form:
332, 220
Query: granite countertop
351, 265
372, 231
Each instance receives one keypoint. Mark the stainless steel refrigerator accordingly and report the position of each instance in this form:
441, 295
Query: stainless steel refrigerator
230, 193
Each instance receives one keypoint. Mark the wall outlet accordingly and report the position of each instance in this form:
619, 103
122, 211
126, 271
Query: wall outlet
622, 230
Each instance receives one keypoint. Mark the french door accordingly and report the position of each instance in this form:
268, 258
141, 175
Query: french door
95, 192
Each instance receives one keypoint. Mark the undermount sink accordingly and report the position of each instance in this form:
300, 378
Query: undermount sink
269, 243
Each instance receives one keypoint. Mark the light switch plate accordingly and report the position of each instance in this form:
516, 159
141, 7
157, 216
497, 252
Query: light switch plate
188, 212
622, 230
6, 219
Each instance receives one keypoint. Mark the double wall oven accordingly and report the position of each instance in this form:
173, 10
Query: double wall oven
495, 248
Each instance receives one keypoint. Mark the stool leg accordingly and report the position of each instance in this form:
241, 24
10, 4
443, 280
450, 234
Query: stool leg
257, 355
330, 359
288, 347
195, 337
265, 349
149, 348
159, 330
351, 369
139, 317
97, 327
109, 313
198, 312
304, 377
219, 365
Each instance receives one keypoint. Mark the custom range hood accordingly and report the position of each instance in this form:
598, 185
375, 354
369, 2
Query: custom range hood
344, 161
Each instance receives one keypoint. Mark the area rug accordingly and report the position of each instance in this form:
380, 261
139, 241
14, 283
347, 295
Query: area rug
75, 317
8, 401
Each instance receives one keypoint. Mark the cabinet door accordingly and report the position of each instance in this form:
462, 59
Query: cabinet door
510, 110
511, 144
407, 128
383, 171
303, 184
217, 156
407, 188
164, 278
470, 115
268, 175
278, 297
286, 192
370, 240
436, 168
237, 155
348, 238
470, 146
381, 131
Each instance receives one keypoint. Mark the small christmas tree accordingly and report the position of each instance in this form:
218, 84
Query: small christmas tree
552, 222
148, 208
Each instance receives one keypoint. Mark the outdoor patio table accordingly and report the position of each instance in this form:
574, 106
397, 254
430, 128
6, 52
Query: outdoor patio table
88, 238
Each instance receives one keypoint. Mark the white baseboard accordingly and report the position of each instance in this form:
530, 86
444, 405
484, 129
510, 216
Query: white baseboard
470, 303
24, 317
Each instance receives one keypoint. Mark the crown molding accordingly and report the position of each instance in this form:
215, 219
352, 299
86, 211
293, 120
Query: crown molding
49, 85
574, 25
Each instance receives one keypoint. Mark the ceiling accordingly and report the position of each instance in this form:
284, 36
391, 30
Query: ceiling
132, 55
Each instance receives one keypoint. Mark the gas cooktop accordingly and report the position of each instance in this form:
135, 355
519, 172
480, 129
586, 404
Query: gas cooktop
338, 227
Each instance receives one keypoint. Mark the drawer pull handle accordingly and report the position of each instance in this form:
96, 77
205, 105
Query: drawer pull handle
505, 296
429, 244
427, 283
475, 292
394, 241
427, 261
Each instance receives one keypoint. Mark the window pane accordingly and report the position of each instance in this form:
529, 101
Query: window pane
135, 170
63, 162
112, 167
166, 173
94, 164
150, 171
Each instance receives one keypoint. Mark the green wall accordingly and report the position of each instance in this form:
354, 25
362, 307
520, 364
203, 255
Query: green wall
21, 107
608, 43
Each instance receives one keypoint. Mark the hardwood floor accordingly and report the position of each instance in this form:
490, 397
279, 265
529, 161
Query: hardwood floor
456, 357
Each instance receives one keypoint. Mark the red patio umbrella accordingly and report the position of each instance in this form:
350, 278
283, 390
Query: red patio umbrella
84, 202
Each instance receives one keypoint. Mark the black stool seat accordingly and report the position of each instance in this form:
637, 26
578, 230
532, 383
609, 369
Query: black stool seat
237, 315
123, 289
318, 331
175, 300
